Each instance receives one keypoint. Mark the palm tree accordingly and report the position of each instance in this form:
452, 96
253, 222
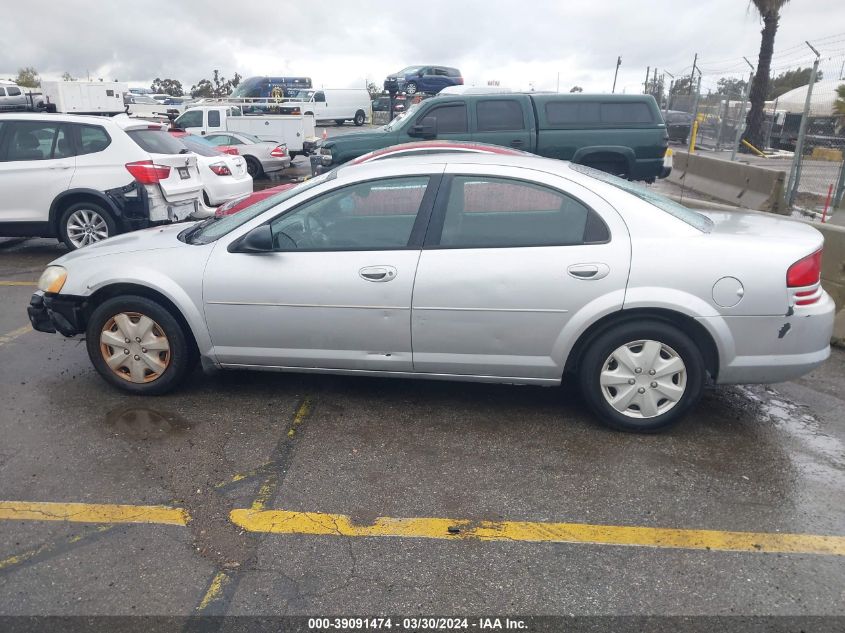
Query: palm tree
769, 11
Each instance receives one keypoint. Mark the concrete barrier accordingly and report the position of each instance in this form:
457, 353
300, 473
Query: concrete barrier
833, 272
747, 186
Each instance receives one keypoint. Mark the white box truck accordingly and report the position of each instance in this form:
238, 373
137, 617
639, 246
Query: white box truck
84, 97
292, 130
331, 104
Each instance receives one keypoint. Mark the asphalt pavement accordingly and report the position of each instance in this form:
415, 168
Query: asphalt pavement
250, 493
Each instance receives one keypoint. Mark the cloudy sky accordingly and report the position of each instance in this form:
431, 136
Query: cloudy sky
344, 44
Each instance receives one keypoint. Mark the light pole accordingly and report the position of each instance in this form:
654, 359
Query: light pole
618, 64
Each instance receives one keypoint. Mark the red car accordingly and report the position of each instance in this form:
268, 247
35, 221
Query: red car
406, 149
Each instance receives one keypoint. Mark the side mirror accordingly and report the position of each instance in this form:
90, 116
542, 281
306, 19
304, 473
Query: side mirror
427, 128
258, 240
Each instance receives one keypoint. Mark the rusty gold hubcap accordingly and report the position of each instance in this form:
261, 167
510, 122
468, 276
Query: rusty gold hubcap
135, 347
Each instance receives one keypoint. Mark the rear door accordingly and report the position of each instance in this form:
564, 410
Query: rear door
36, 165
508, 265
502, 121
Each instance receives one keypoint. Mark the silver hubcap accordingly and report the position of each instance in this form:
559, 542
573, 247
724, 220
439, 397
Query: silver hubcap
85, 226
411, 89
135, 347
643, 379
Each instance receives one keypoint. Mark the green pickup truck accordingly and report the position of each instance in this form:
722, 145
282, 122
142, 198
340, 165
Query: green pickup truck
620, 134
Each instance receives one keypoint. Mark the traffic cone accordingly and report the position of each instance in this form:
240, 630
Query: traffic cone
325, 134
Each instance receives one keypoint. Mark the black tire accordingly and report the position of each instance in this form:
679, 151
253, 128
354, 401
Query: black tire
253, 167
180, 357
411, 88
70, 219
339, 122
594, 360
360, 118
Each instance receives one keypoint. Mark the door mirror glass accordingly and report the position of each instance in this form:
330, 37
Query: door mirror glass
427, 128
258, 240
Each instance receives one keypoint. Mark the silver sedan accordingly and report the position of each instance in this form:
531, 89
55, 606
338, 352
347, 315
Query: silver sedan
262, 157
509, 269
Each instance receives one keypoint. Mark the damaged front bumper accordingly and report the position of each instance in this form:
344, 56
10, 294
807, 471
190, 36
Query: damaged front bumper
57, 313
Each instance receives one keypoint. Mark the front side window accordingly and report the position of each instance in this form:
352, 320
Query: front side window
451, 119
375, 215
499, 115
30, 140
92, 139
191, 118
486, 212
320, 97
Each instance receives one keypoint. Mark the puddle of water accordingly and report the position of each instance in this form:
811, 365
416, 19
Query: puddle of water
145, 424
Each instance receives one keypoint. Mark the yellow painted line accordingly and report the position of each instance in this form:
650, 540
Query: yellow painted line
91, 513
287, 522
18, 283
214, 589
23, 557
8, 337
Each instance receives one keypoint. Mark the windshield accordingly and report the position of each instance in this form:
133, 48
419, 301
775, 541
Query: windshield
400, 121
156, 141
304, 95
249, 88
409, 70
216, 227
694, 219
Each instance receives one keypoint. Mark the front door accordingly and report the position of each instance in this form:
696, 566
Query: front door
507, 265
336, 291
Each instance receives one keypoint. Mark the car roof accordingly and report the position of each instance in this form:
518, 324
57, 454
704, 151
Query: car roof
62, 118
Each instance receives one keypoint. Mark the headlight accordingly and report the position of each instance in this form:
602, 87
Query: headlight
52, 279
326, 151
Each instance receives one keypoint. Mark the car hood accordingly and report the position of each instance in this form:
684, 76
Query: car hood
154, 238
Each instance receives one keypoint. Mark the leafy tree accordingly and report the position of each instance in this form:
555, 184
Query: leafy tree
28, 77
839, 104
769, 11
374, 90
172, 87
731, 87
576, 89
217, 86
791, 79
681, 86
66, 76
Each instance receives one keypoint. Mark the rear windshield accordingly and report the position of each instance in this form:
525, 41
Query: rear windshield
568, 112
694, 219
156, 142
199, 146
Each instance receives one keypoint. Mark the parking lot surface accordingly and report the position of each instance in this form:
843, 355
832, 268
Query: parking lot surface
261, 493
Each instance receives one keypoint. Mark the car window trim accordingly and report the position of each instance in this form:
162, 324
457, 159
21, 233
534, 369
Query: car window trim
438, 216
418, 231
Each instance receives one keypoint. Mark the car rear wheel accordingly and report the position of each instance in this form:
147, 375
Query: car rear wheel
360, 118
411, 88
642, 376
138, 346
253, 167
85, 223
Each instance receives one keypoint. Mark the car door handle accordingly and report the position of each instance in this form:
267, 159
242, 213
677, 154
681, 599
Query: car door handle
62, 166
588, 272
517, 143
378, 273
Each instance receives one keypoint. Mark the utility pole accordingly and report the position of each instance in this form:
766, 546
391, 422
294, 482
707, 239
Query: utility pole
645, 84
618, 64
692, 74
795, 170
740, 123
654, 82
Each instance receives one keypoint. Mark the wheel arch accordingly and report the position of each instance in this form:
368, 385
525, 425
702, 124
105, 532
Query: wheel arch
687, 324
605, 153
73, 196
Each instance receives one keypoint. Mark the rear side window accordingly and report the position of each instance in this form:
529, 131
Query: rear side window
451, 119
213, 118
484, 212
596, 113
92, 139
499, 115
2, 92
13, 92
156, 142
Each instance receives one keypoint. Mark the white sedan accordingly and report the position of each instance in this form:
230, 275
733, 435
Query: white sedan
224, 176
262, 157
494, 268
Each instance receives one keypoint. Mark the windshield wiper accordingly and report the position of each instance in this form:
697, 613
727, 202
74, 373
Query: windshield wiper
188, 234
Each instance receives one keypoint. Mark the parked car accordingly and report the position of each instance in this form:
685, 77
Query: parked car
678, 125
338, 105
85, 178
262, 157
224, 176
621, 134
382, 104
511, 269
430, 79
397, 151
12, 98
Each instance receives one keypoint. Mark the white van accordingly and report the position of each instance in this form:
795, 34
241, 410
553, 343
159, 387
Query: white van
338, 105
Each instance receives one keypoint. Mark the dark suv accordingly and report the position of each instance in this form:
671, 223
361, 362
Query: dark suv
430, 79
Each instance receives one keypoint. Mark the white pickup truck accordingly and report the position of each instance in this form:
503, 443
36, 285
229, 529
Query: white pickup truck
292, 130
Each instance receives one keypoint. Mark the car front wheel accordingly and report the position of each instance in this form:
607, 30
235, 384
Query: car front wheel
642, 376
138, 346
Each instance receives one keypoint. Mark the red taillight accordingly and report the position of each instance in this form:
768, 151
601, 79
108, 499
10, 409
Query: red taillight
220, 169
805, 272
230, 150
460, 81
148, 173
280, 151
